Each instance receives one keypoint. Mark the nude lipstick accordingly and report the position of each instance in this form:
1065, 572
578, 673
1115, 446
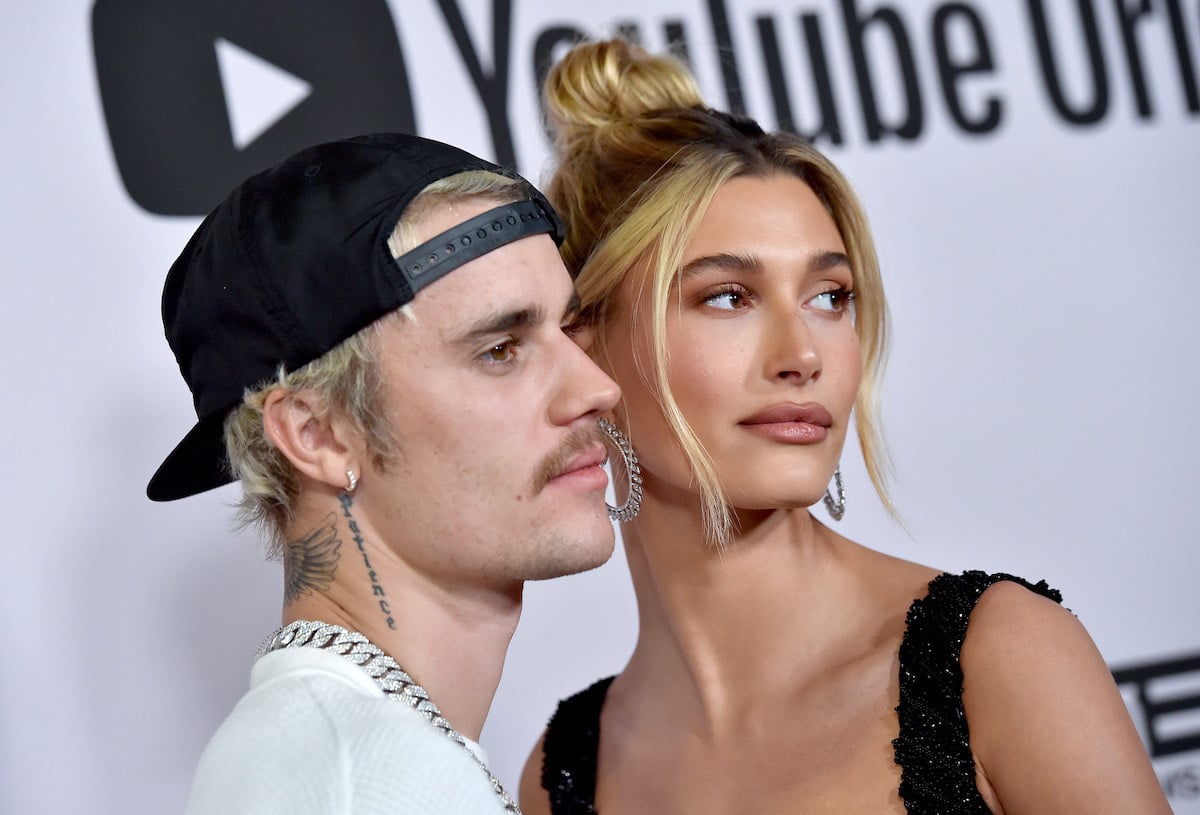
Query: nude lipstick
790, 423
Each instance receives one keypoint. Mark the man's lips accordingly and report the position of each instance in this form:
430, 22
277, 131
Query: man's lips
790, 423
592, 456
577, 459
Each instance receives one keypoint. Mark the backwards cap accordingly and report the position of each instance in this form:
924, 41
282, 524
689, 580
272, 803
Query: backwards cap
295, 261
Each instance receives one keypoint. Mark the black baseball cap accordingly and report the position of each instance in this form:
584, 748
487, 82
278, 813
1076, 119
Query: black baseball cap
295, 260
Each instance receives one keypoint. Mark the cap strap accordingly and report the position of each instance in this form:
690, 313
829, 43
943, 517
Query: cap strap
446, 252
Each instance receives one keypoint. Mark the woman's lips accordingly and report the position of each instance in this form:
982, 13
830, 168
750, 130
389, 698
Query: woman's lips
790, 424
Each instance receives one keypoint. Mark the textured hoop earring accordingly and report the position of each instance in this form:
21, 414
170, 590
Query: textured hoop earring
629, 510
351, 480
836, 507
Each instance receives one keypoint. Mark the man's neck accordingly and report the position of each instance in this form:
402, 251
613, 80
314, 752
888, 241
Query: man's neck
451, 638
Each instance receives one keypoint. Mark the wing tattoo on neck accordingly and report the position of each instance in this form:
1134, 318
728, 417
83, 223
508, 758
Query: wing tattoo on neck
309, 563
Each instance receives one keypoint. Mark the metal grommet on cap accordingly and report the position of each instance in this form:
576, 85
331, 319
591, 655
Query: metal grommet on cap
478, 236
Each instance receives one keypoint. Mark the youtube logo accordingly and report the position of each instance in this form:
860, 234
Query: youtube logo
199, 95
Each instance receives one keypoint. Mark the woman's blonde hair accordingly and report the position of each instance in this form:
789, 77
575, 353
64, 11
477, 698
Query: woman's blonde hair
345, 379
639, 158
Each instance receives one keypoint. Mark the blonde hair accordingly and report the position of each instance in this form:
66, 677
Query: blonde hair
639, 158
345, 379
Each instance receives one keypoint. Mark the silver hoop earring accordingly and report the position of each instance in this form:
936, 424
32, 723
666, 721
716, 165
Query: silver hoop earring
836, 507
351, 480
629, 510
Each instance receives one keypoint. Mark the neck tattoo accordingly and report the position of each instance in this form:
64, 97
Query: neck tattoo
388, 675
376, 587
309, 563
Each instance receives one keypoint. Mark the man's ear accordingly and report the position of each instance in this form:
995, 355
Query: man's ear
310, 436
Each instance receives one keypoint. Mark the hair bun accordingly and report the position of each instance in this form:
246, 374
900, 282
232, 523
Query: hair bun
613, 82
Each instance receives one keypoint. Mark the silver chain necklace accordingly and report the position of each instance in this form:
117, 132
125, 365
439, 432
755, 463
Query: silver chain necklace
388, 675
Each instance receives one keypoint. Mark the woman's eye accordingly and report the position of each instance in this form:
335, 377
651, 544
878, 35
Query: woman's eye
728, 300
580, 332
835, 301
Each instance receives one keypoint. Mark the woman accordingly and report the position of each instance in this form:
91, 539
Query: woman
733, 292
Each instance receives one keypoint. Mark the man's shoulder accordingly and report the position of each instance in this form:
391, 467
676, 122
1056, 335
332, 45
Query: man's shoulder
314, 734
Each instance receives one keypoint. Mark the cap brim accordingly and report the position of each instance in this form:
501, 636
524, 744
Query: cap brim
197, 463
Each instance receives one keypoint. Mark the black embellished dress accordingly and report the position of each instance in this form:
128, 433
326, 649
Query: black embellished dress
937, 767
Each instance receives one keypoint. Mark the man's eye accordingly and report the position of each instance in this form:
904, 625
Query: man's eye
500, 352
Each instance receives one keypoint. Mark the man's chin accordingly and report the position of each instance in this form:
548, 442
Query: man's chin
576, 554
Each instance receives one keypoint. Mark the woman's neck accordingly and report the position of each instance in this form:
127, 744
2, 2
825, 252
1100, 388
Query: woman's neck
739, 621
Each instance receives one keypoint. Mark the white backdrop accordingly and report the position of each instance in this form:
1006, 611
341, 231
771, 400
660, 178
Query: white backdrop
1041, 400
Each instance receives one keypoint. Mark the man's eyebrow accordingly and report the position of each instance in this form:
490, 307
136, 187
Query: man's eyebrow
822, 261
500, 322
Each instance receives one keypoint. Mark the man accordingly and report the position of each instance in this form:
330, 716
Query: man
377, 336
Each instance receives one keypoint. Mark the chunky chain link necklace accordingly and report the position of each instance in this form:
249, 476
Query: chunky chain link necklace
388, 675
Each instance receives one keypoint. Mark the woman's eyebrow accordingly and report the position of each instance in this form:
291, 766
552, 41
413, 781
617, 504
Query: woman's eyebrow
825, 260
822, 261
723, 261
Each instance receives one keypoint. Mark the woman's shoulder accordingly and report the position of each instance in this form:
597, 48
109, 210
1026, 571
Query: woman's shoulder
1047, 724
985, 621
1009, 626
989, 598
1020, 635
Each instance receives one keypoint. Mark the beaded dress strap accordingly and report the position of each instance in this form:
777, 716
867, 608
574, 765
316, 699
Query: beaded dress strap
570, 751
933, 747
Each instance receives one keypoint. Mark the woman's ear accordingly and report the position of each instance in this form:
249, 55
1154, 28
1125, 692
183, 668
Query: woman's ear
309, 435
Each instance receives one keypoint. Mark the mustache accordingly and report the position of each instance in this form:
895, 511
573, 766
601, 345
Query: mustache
553, 464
